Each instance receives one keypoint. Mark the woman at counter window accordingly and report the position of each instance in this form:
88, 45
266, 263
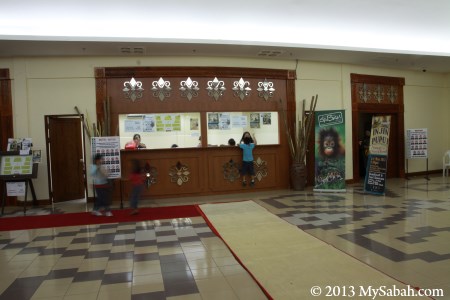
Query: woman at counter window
135, 143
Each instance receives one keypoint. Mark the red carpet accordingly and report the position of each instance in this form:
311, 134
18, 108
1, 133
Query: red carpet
86, 218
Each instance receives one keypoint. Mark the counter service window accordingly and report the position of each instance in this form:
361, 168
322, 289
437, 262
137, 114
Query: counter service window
159, 131
223, 126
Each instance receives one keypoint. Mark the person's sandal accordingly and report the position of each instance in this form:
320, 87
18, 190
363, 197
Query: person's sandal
244, 183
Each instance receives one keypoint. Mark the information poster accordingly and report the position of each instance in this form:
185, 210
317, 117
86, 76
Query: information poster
416, 143
16, 165
149, 124
168, 122
133, 125
109, 147
239, 121
213, 121
379, 135
375, 181
15, 188
266, 118
255, 120
224, 121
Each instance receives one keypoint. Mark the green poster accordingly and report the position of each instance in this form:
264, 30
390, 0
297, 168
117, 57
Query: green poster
16, 165
330, 151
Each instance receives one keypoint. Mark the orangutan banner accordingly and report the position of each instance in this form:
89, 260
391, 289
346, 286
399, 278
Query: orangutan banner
330, 151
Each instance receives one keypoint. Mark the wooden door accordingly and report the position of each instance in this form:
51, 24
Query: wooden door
66, 158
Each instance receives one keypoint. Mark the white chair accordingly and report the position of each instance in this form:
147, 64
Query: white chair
446, 163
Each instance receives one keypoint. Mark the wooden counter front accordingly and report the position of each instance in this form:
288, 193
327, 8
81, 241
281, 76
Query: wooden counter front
205, 171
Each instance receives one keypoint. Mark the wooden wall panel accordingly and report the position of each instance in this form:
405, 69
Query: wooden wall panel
6, 118
206, 171
205, 163
218, 182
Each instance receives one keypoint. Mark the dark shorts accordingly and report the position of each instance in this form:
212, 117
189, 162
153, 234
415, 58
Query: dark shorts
247, 168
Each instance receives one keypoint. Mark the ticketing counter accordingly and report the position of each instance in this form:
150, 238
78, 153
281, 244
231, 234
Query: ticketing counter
186, 116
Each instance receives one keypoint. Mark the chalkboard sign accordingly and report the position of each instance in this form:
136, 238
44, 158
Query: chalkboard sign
375, 181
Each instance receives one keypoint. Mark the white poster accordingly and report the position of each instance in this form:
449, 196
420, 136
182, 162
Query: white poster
109, 147
15, 188
417, 143
133, 125
239, 121
224, 121
149, 124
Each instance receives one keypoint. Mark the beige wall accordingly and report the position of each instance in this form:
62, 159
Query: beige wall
43, 86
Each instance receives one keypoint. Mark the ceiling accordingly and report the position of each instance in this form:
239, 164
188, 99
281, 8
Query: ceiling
399, 34
430, 63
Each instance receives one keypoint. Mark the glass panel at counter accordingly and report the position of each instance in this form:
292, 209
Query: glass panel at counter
223, 126
159, 131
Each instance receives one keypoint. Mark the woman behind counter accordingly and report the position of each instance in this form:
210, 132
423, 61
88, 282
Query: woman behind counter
135, 143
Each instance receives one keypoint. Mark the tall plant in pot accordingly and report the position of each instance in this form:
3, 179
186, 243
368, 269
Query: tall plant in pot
298, 143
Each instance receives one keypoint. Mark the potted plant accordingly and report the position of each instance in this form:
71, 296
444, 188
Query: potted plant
298, 143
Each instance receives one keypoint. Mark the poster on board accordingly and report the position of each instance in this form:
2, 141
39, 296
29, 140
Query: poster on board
379, 135
416, 143
16, 165
16, 188
109, 148
375, 180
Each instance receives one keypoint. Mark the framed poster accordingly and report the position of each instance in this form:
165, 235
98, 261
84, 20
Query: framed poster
109, 148
16, 165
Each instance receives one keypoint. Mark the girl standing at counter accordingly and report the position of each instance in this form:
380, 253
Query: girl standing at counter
247, 144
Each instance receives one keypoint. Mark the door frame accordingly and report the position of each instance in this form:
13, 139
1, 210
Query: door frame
6, 120
83, 145
382, 105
